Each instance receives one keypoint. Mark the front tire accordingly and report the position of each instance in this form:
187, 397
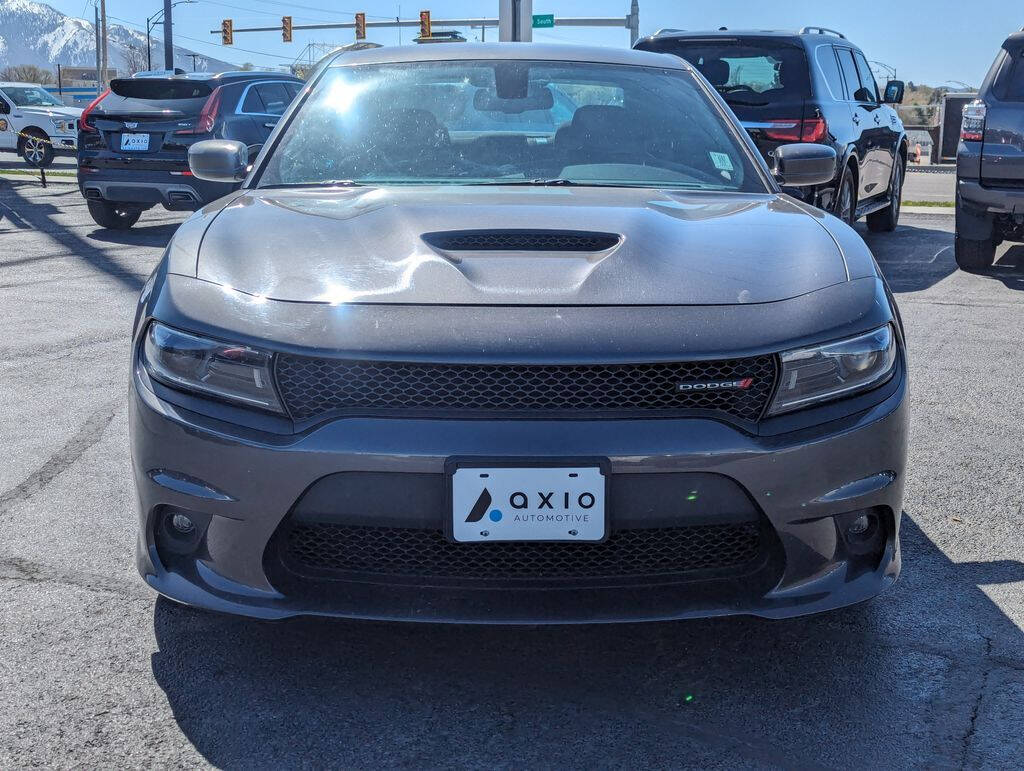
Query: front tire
35, 149
974, 255
885, 220
114, 216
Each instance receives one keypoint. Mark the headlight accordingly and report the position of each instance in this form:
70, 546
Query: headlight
192, 363
824, 372
60, 125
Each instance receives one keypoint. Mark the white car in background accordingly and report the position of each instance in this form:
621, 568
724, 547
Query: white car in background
35, 124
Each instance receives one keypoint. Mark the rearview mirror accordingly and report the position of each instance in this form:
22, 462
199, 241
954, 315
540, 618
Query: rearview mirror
893, 92
219, 160
4, 107
537, 98
803, 165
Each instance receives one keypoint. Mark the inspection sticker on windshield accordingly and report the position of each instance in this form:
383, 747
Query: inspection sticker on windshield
722, 161
528, 504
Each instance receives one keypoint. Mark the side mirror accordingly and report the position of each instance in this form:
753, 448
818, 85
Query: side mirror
803, 165
893, 92
4, 107
219, 160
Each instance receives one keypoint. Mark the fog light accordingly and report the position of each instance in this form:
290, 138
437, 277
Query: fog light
859, 526
182, 524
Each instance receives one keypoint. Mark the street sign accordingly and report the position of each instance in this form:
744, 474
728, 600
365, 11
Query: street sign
543, 20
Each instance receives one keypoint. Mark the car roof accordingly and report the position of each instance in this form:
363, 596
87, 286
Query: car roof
511, 51
230, 75
1014, 41
19, 84
791, 34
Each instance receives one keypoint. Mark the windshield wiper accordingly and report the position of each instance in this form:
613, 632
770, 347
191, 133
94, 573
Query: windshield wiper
556, 181
322, 183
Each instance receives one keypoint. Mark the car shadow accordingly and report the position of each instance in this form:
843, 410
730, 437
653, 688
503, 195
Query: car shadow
93, 250
1008, 267
900, 679
139, 235
913, 257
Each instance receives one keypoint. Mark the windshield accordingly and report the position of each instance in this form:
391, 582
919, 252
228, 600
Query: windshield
510, 122
30, 96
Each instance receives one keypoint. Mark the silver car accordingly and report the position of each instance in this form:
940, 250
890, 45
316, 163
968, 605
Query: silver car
516, 334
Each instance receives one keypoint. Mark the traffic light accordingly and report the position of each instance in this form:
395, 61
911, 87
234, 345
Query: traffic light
227, 36
424, 23
360, 26
286, 29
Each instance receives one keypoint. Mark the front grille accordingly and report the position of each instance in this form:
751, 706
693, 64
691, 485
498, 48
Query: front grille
323, 549
313, 387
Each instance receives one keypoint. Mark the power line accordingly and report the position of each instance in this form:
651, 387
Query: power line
206, 42
338, 11
262, 13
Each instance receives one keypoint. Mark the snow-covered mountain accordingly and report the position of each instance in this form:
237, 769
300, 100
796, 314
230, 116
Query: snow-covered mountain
35, 33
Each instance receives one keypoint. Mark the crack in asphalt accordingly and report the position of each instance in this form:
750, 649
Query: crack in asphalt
88, 435
26, 571
972, 726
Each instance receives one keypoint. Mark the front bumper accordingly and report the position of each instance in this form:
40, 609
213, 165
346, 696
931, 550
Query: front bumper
241, 484
64, 143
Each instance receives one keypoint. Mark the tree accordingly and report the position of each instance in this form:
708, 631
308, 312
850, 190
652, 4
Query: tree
134, 58
247, 66
28, 73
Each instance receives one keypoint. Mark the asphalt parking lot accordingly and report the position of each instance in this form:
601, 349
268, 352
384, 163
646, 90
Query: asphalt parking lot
95, 671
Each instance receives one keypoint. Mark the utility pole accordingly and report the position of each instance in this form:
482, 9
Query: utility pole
168, 42
103, 57
96, 27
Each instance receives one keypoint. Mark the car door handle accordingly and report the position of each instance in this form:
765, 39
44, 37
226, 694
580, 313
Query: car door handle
877, 119
269, 125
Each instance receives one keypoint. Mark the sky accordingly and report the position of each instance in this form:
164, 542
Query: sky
931, 42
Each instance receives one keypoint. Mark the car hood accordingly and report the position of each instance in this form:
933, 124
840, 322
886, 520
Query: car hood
596, 246
52, 112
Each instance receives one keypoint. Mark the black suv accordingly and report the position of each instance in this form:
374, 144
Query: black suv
808, 86
990, 162
133, 139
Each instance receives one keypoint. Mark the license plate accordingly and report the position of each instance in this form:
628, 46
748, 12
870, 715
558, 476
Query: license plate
135, 142
528, 503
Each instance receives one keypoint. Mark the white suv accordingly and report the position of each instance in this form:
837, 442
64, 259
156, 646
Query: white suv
35, 124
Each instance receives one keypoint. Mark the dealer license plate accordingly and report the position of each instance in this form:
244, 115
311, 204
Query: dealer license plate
519, 503
135, 142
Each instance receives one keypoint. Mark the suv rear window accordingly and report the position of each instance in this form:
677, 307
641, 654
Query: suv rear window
1009, 82
150, 88
774, 70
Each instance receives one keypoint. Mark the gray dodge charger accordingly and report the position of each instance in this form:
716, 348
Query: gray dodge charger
516, 334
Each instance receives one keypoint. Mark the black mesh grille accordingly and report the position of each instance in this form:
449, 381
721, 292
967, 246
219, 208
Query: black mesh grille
312, 387
521, 240
397, 552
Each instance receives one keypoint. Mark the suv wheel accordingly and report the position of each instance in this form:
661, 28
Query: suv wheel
35, 148
114, 216
974, 255
846, 199
884, 220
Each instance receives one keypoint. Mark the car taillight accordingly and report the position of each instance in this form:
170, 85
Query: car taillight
207, 116
83, 122
972, 128
807, 130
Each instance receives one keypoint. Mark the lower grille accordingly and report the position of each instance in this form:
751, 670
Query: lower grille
312, 387
322, 549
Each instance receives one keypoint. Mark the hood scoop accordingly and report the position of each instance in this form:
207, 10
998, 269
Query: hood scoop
521, 241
